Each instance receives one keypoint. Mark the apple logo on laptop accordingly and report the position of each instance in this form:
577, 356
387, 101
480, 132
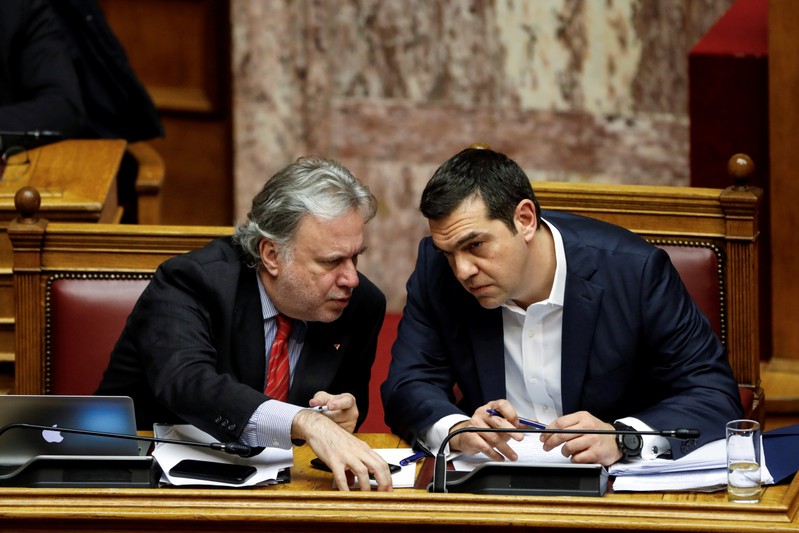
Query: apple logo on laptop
52, 436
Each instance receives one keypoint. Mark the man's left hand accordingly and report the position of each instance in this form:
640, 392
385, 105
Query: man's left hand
583, 448
341, 408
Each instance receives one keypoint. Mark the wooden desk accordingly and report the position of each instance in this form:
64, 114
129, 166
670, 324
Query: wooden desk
77, 182
308, 503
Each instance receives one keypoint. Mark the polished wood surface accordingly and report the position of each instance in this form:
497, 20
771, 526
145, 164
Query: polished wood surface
75, 178
783, 69
77, 182
309, 503
180, 51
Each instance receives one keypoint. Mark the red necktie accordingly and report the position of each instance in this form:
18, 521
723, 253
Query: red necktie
277, 377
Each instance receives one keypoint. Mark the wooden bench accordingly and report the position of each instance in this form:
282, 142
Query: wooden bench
75, 283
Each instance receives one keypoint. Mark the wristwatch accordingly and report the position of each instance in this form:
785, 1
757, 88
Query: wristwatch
630, 444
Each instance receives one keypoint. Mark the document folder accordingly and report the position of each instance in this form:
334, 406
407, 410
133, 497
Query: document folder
530, 480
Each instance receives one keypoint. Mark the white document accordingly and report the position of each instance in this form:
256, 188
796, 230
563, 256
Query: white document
530, 450
707, 480
405, 477
704, 469
267, 463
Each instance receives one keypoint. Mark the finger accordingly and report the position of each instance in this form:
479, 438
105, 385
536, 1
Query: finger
382, 476
340, 476
507, 451
480, 445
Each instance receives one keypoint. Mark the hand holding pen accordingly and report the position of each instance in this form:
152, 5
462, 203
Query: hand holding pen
341, 408
522, 420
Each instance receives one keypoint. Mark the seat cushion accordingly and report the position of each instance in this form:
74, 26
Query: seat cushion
698, 267
85, 316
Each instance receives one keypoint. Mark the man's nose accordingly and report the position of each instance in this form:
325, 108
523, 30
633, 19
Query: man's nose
463, 267
348, 277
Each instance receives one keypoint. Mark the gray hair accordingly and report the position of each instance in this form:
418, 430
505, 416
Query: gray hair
310, 186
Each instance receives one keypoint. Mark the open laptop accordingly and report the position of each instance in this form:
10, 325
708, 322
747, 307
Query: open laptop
54, 457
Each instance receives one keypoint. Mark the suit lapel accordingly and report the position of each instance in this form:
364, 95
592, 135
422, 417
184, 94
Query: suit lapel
580, 312
319, 362
485, 328
248, 334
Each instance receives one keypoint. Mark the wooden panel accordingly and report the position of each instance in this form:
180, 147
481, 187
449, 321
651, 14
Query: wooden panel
197, 187
174, 49
180, 50
784, 190
77, 180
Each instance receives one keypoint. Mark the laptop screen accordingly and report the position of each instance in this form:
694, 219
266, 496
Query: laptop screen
108, 414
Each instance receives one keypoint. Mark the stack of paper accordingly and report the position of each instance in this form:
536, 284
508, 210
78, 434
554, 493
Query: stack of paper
267, 463
704, 469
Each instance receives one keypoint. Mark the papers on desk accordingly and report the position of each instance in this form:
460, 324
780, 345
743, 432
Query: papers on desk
530, 450
404, 478
267, 463
704, 469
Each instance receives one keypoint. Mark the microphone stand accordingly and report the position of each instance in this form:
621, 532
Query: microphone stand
440, 465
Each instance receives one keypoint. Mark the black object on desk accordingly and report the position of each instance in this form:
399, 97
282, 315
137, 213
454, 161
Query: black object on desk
540, 479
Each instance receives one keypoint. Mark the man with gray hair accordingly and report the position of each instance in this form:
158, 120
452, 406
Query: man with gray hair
243, 336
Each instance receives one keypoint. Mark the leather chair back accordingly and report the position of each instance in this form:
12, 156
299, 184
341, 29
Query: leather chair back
84, 318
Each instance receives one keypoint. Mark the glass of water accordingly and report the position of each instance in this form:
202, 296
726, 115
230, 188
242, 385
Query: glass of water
743, 461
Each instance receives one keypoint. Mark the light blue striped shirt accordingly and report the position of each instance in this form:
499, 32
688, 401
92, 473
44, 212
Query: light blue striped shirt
270, 424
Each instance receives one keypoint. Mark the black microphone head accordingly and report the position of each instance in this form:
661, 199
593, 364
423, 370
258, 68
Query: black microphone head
687, 433
242, 450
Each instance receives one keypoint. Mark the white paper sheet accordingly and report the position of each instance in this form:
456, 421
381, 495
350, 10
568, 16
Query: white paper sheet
530, 450
268, 463
404, 478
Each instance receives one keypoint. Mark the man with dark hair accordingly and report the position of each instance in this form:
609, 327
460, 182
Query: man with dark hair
241, 337
565, 319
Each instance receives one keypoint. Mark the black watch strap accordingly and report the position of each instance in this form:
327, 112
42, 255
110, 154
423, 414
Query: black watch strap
630, 444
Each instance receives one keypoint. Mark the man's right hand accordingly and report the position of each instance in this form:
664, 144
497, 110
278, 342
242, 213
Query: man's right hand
494, 445
341, 451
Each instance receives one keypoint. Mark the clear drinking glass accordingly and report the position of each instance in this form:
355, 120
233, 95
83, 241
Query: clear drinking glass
743, 461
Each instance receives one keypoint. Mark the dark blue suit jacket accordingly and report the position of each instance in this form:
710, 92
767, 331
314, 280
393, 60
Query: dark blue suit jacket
634, 342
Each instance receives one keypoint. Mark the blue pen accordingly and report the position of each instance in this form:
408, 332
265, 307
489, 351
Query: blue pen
525, 421
413, 458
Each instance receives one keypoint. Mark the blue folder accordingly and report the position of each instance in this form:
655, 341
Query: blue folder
781, 447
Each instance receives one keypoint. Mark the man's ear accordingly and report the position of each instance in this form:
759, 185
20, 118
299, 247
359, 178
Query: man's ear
268, 251
525, 219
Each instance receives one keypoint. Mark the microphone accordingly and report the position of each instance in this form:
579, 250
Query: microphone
233, 448
28, 139
440, 464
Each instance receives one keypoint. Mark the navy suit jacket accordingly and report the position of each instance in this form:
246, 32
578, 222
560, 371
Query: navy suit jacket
634, 342
193, 348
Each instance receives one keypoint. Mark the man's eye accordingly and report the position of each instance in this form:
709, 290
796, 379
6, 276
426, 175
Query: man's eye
474, 245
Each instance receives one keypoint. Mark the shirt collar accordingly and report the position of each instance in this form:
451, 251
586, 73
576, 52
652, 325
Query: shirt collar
556, 294
269, 311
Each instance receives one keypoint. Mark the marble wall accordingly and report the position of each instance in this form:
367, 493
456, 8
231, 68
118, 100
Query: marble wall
573, 90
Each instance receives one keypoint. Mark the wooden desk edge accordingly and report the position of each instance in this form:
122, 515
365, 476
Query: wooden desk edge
250, 509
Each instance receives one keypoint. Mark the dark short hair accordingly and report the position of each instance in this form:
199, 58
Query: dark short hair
480, 172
